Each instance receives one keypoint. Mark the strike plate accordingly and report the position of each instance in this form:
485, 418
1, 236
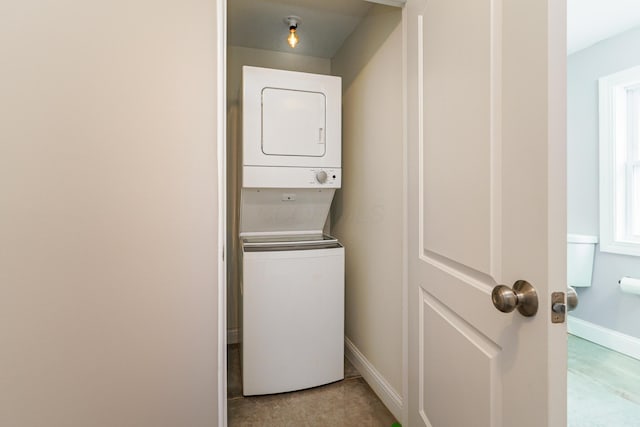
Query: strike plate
558, 307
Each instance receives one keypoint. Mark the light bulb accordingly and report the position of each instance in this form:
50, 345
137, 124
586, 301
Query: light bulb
293, 37
292, 22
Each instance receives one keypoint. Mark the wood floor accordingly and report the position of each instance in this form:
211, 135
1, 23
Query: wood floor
349, 402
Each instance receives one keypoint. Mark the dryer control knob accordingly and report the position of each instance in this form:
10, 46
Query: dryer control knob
321, 177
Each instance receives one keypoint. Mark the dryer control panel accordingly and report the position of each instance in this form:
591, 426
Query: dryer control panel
288, 177
326, 176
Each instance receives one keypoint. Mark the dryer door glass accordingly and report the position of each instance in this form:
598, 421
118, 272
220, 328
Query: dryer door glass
293, 122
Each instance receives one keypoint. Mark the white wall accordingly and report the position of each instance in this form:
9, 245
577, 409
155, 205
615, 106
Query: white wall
603, 303
108, 215
237, 57
367, 214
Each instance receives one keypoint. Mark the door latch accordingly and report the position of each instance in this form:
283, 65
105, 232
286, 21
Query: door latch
558, 306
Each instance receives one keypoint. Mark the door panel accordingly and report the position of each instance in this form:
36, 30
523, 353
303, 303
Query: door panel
445, 335
485, 204
458, 138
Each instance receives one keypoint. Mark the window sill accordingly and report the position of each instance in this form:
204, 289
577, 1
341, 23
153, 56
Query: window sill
620, 248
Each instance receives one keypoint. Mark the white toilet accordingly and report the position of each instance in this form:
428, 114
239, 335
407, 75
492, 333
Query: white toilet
580, 254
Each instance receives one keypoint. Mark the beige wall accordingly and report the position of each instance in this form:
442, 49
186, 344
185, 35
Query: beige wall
108, 217
367, 212
236, 58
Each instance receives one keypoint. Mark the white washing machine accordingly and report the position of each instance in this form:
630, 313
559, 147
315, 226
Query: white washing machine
293, 316
292, 285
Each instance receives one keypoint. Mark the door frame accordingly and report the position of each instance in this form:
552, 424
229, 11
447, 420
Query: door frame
221, 150
405, 222
557, 182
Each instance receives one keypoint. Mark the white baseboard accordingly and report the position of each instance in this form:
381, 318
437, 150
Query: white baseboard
376, 381
233, 336
605, 337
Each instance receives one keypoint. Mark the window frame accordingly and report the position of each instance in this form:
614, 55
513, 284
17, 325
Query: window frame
619, 118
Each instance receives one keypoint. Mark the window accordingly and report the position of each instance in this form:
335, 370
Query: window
620, 162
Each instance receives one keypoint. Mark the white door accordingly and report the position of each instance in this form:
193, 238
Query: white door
486, 197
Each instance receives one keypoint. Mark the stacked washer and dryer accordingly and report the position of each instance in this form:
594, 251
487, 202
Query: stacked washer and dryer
292, 280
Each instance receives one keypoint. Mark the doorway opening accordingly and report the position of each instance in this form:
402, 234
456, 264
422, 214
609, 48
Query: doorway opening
604, 334
361, 42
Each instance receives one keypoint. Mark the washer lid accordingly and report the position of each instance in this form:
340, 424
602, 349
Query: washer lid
297, 242
262, 240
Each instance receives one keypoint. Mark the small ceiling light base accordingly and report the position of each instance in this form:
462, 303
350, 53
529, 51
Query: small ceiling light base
292, 20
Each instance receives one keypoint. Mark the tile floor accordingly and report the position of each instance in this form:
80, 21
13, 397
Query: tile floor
603, 387
350, 402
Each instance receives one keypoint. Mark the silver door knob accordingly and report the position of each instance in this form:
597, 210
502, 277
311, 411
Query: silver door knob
572, 299
523, 296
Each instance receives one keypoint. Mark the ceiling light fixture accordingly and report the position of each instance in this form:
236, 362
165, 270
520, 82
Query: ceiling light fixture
292, 22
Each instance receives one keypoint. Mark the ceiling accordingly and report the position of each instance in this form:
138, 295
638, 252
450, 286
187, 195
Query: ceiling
325, 24
590, 21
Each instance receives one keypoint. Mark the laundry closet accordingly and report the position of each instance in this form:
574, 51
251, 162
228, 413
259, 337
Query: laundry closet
315, 170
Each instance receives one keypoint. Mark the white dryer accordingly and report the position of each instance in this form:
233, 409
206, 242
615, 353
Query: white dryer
292, 285
291, 129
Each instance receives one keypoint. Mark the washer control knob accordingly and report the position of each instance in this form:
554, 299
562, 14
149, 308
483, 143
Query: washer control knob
321, 177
